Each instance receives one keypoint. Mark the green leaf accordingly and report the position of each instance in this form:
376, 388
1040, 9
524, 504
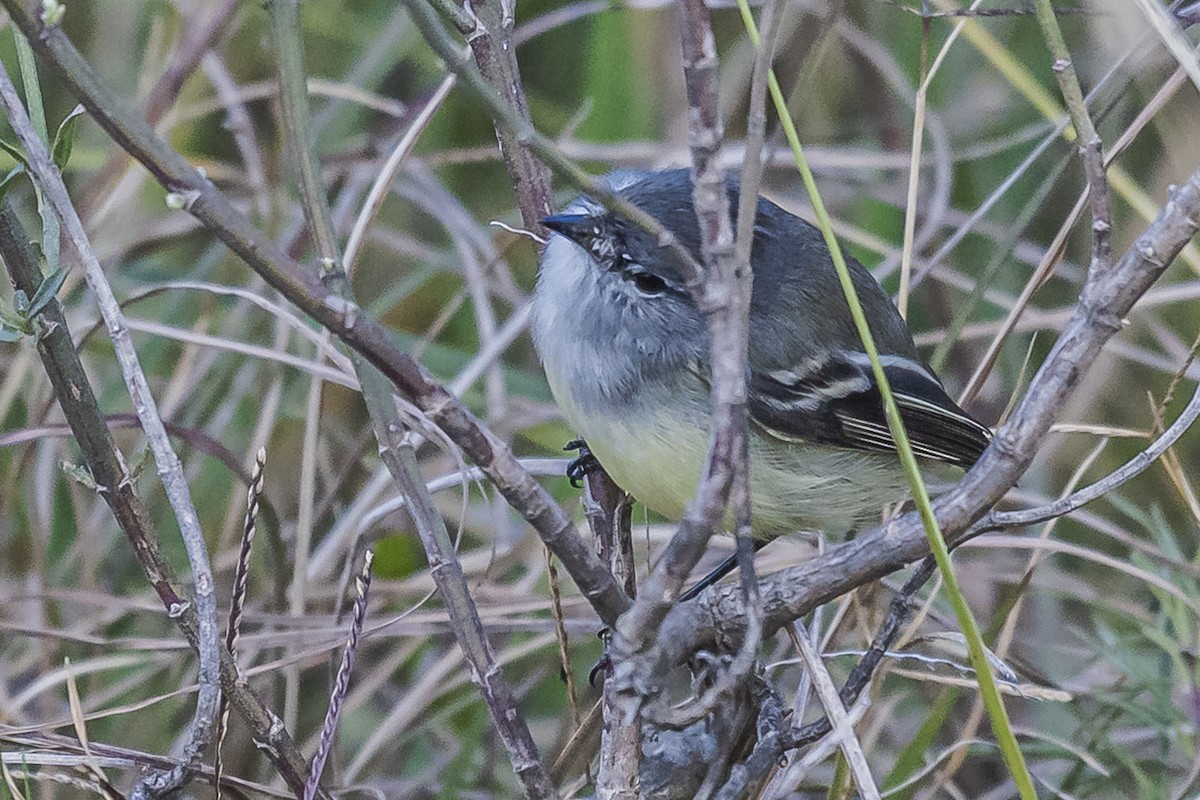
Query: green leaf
64, 138
8, 334
46, 292
138, 465
11, 319
7, 179
15, 152
33, 87
80, 474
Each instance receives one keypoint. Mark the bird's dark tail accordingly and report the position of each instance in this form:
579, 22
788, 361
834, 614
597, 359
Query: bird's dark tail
724, 568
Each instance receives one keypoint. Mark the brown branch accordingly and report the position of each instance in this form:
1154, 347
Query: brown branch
449, 52
486, 673
608, 508
490, 36
397, 451
344, 319
723, 292
496, 56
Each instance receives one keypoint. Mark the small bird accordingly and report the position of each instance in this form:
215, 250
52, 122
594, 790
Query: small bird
626, 354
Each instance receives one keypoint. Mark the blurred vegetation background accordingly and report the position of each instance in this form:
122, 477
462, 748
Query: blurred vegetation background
1101, 607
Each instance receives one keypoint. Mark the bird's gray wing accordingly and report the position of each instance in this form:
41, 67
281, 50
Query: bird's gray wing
834, 399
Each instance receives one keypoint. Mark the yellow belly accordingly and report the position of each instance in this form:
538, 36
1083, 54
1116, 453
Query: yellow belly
794, 487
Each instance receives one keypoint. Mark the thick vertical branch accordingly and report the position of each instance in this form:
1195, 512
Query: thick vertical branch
726, 292
496, 56
618, 774
777, 737
723, 292
751, 178
608, 508
489, 34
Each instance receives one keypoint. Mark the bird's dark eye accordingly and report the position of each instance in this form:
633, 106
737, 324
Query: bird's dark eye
647, 283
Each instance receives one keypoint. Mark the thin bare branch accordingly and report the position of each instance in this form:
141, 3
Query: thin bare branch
108, 470
998, 520
774, 738
397, 452
382, 185
170, 471
843, 728
1091, 149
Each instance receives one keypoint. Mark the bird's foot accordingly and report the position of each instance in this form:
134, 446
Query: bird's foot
582, 466
600, 668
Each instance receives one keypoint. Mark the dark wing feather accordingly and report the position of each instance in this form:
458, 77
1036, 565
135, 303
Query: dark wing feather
836, 401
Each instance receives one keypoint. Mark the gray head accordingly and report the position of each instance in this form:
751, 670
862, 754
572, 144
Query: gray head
609, 291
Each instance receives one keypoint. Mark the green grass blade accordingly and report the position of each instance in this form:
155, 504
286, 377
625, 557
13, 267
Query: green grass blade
997, 714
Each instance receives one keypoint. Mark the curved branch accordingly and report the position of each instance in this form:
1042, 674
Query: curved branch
998, 520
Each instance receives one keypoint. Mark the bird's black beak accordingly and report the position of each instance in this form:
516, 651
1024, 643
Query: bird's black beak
575, 227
